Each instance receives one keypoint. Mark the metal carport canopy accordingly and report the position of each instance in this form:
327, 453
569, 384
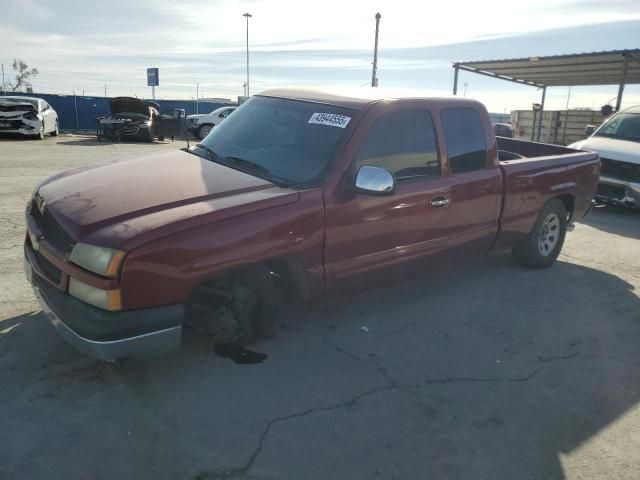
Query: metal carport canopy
615, 67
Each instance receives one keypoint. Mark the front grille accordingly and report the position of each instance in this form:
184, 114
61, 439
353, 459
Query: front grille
627, 172
12, 124
610, 191
52, 272
50, 229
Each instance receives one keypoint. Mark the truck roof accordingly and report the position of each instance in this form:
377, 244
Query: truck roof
634, 109
356, 98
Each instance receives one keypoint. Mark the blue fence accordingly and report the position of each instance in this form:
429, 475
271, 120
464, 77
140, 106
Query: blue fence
90, 108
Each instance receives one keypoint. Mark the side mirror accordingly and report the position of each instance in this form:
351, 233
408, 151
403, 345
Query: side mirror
589, 129
375, 181
221, 115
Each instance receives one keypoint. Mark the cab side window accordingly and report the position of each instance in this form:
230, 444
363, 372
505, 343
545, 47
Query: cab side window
404, 143
465, 139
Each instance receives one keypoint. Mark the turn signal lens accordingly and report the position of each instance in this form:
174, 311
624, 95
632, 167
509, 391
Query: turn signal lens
105, 299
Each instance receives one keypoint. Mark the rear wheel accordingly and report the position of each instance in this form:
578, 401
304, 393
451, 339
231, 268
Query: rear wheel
203, 131
54, 133
543, 245
237, 308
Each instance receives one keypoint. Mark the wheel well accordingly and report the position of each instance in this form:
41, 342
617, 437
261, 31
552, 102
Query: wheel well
287, 273
568, 201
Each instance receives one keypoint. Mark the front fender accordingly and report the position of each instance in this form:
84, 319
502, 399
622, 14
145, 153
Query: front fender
165, 271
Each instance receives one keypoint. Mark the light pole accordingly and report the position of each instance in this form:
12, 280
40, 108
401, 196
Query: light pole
374, 77
466, 84
247, 16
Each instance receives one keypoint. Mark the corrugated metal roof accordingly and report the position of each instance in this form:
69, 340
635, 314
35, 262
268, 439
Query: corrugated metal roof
596, 68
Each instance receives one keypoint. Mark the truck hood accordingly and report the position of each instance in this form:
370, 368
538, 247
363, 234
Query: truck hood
611, 148
129, 105
126, 204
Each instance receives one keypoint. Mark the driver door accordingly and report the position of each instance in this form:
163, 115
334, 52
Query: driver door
375, 238
169, 123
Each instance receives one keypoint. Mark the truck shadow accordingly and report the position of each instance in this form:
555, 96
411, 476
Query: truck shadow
616, 220
484, 372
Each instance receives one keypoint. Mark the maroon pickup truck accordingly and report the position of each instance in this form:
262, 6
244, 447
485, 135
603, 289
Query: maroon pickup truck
299, 194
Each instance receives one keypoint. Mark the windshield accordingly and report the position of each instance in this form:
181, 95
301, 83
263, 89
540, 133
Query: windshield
625, 126
291, 139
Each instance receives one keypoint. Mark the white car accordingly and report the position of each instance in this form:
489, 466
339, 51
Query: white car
27, 116
618, 143
200, 125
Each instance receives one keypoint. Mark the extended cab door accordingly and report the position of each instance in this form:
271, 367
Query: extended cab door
377, 237
475, 180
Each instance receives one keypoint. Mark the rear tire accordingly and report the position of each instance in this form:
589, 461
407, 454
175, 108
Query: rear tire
543, 245
54, 133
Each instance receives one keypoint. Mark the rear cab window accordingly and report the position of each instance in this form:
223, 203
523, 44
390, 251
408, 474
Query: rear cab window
403, 142
465, 140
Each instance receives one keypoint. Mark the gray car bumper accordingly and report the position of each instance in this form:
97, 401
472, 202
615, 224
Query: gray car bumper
109, 335
619, 192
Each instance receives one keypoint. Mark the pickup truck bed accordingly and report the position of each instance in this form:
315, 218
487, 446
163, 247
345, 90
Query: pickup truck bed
542, 172
304, 192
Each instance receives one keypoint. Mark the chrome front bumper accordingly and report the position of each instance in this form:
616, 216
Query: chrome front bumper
619, 192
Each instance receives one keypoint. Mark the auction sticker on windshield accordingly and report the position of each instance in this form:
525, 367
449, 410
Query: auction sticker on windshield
331, 119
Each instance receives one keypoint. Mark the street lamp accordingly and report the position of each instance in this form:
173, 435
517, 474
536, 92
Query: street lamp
247, 16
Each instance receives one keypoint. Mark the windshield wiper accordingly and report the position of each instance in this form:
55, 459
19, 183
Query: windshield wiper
258, 170
243, 165
211, 153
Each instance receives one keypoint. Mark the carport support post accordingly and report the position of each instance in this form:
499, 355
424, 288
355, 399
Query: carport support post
625, 67
541, 112
455, 79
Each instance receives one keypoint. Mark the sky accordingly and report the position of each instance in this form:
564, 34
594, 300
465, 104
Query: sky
87, 46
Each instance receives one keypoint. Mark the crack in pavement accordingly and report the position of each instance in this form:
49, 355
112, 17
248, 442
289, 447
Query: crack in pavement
353, 401
560, 357
392, 385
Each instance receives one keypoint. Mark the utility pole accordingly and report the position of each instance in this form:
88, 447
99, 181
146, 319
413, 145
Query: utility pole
2, 86
247, 16
105, 90
374, 76
197, 98
465, 89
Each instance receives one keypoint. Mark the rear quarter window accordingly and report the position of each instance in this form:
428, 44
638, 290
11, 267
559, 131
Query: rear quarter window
465, 140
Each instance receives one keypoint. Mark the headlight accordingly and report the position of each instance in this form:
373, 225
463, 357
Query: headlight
105, 299
101, 260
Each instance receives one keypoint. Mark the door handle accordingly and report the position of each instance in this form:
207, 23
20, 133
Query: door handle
439, 201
